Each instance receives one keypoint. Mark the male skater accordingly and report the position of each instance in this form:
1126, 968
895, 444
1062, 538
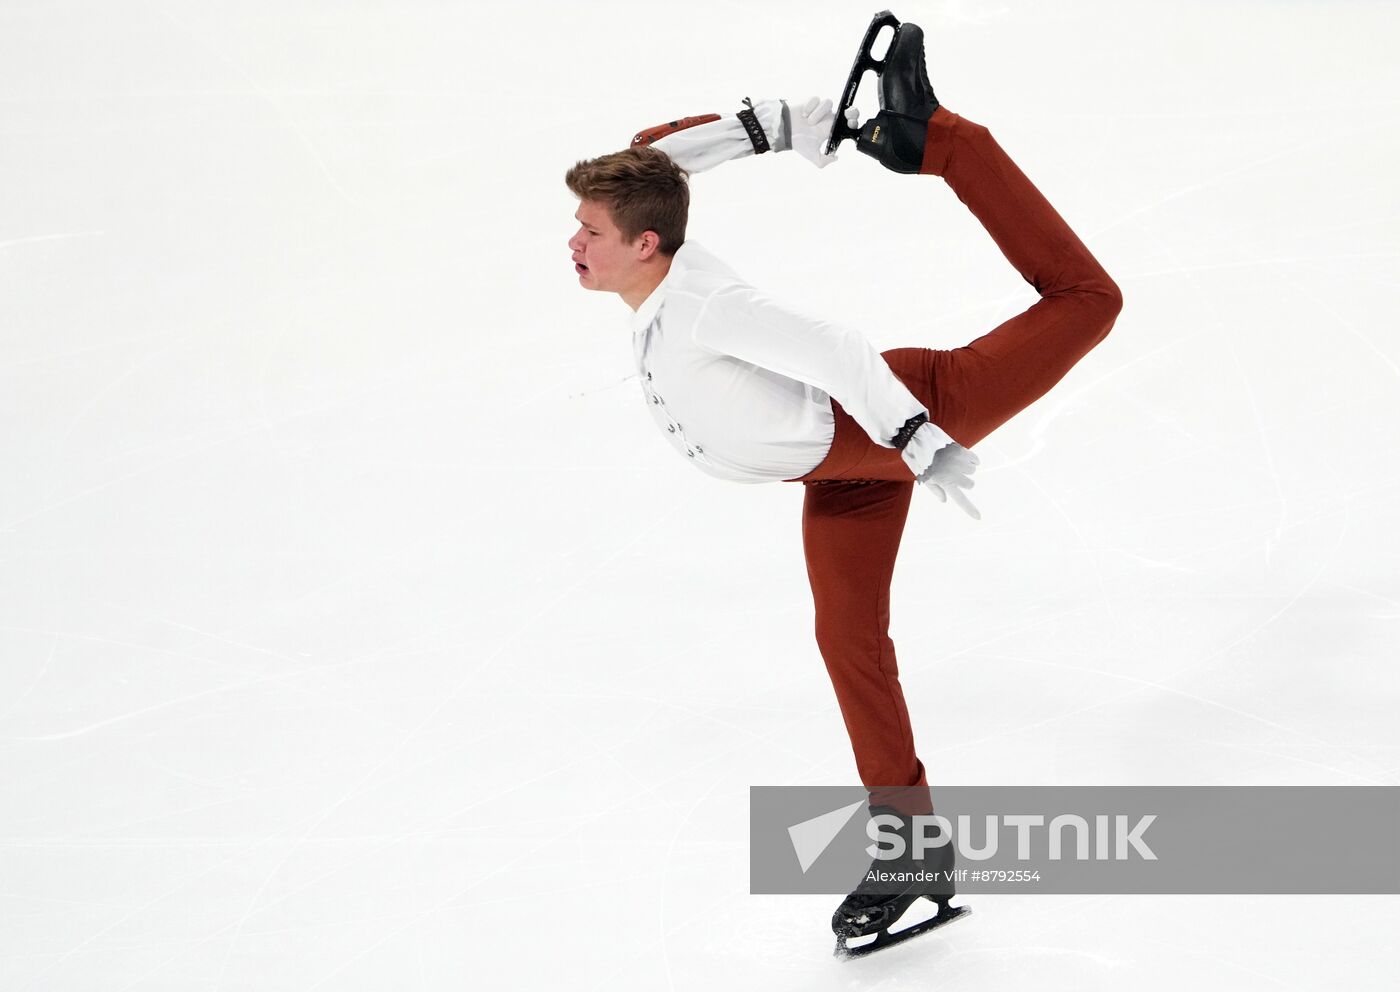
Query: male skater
752, 391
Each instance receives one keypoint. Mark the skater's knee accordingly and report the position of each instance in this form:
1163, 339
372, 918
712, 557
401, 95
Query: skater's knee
1102, 294
1095, 301
1113, 297
1113, 306
831, 631
1108, 304
840, 632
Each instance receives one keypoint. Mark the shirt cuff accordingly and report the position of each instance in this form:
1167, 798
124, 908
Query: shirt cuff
926, 442
772, 115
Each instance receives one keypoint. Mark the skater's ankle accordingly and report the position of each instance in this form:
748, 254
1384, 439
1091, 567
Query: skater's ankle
938, 141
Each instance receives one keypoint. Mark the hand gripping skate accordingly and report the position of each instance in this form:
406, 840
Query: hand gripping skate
864, 60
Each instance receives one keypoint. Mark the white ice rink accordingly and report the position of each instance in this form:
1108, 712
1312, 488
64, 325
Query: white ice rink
352, 609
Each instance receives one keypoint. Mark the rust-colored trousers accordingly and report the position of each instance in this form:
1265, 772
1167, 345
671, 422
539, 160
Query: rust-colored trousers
857, 499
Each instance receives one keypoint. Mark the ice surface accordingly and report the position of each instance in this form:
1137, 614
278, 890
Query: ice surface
357, 630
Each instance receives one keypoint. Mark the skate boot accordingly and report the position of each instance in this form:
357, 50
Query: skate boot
878, 904
895, 136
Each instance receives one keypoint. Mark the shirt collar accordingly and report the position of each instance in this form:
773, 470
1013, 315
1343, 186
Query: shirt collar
646, 313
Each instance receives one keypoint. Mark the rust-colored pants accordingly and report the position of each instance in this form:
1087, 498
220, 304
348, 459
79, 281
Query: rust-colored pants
857, 499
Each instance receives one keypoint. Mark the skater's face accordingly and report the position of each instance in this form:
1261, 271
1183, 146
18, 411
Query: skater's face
602, 259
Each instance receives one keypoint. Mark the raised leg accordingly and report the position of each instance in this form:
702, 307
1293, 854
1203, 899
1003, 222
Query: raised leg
978, 387
973, 390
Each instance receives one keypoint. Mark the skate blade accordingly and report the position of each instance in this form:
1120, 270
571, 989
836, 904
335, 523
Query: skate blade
879, 941
840, 130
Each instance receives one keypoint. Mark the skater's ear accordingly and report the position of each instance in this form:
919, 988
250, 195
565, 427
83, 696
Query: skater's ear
646, 245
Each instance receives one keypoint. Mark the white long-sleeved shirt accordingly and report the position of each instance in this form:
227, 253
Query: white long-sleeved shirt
739, 383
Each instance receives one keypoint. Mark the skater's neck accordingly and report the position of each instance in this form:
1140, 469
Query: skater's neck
649, 275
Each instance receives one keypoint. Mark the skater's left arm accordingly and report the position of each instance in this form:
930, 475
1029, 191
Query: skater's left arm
739, 320
702, 142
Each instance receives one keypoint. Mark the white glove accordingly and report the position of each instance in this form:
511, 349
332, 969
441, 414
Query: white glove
811, 125
943, 465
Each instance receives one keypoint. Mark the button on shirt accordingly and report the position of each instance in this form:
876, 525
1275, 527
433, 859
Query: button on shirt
739, 384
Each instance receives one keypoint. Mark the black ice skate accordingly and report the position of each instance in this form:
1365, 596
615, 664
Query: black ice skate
877, 906
864, 61
895, 136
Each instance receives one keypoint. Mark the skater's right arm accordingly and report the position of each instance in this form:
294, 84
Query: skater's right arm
704, 141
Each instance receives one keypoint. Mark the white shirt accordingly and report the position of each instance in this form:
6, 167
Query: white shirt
738, 383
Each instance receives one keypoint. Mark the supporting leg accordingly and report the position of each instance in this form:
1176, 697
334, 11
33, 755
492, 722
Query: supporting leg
850, 534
